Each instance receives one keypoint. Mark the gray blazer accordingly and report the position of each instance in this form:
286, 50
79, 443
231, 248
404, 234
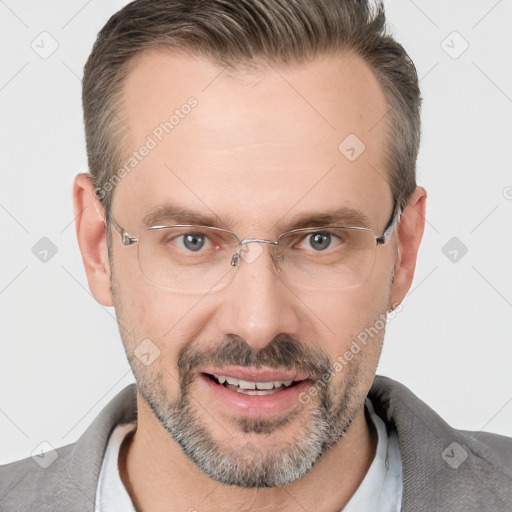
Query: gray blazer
443, 469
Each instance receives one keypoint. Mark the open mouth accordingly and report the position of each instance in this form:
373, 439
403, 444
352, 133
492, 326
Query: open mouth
252, 388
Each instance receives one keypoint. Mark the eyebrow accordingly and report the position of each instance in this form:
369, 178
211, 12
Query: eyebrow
178, 215
343, 216
171, 214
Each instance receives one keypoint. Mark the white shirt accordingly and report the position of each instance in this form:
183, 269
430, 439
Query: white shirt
111, 494
380, 490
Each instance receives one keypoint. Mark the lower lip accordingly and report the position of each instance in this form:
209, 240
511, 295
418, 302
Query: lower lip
256, 405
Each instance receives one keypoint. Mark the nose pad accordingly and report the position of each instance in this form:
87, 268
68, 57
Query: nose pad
251, 252
250, 249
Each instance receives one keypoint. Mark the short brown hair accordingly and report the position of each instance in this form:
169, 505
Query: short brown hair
241, 31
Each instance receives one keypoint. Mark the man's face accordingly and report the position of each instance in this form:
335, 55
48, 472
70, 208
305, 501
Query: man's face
258, 148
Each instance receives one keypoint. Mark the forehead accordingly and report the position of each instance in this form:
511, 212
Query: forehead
254, 144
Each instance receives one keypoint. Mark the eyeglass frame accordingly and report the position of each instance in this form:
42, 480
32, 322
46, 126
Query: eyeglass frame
126, 239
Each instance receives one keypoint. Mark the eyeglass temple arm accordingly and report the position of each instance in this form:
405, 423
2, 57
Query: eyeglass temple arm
125, 237
393, 221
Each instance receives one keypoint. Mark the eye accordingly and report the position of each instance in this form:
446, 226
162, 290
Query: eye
192, 241
320, 241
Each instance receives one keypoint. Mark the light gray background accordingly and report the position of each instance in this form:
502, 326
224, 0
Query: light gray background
62, 359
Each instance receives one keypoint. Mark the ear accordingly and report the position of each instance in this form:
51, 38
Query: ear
91, 234
410, 232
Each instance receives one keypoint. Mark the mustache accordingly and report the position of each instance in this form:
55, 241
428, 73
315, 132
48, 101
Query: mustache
283, 352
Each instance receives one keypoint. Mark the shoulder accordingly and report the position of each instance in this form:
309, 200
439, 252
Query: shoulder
495, 449
66, 478
24, 480
444, 468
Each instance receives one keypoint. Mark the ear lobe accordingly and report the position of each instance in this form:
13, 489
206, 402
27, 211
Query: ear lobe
91, 235
409, 232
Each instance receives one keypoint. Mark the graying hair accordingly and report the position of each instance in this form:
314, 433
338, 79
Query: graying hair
237, 32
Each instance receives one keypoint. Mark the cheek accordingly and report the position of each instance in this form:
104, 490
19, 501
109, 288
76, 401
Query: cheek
341, 318
169, 319
343, 309
144, 311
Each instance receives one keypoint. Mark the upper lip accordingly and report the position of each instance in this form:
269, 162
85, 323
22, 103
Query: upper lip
256, 375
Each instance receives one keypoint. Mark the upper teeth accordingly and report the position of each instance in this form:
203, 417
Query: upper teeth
252, 385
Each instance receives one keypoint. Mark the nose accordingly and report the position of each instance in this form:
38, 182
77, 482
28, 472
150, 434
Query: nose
258, 305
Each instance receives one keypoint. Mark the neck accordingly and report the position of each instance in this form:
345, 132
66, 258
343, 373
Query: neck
159, 477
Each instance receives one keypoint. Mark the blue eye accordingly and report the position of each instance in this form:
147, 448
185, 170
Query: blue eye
320, 241
193, 241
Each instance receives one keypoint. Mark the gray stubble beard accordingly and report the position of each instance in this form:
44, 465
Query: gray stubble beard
250, 466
